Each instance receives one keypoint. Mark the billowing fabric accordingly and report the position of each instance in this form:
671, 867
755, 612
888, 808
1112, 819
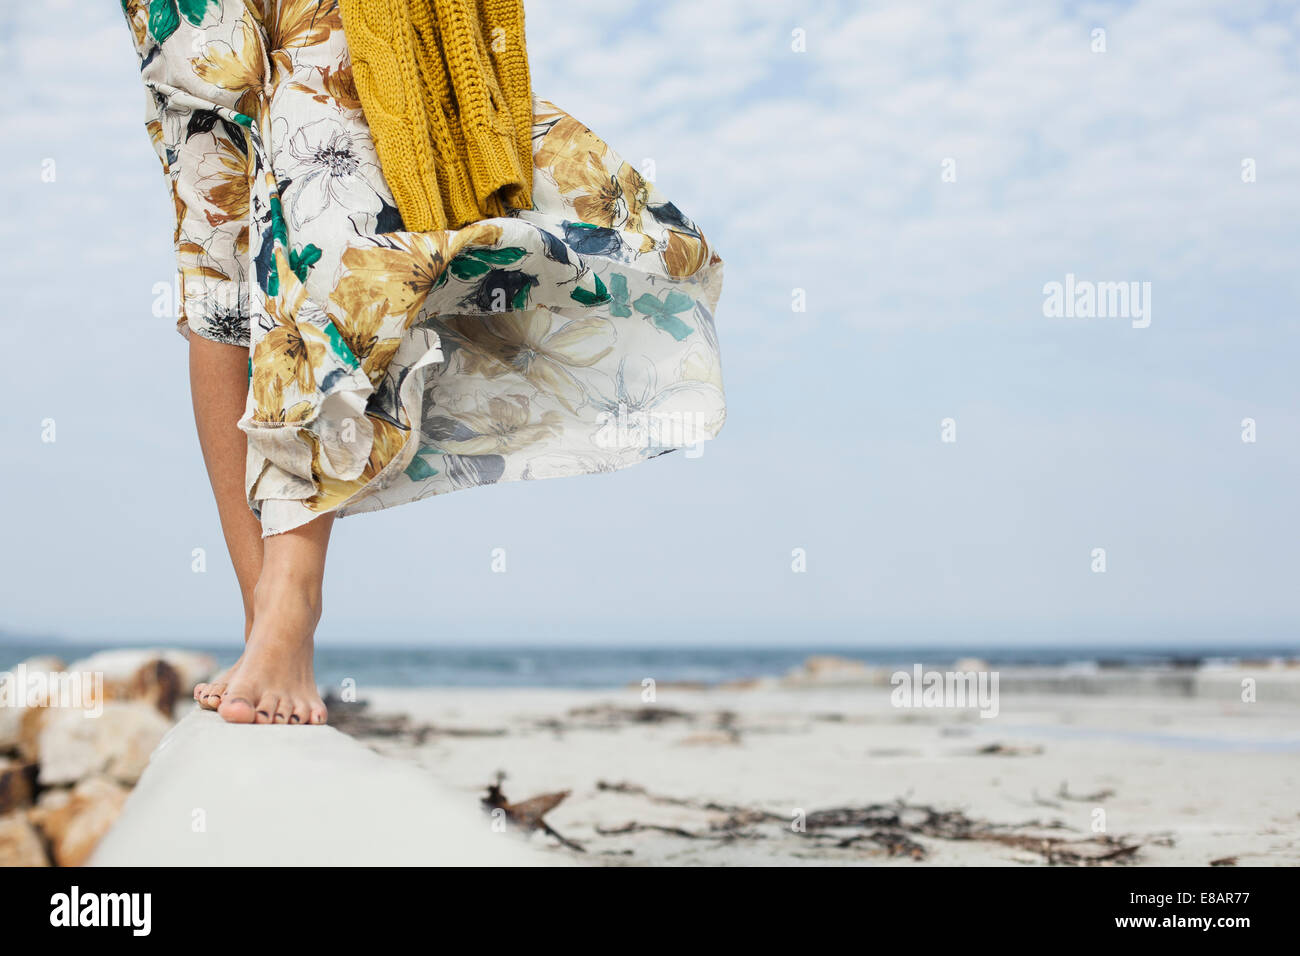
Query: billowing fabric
386, 366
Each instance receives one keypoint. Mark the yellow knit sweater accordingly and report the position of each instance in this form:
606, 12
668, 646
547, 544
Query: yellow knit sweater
445, 88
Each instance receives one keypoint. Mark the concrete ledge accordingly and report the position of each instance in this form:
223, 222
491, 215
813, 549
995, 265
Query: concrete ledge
217, 794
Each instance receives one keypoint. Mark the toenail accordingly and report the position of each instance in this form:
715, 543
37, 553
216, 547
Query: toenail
262, 713
295, 719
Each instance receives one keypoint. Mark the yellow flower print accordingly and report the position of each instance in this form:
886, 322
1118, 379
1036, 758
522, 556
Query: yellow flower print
237, 71
222, 176
402, 269
567, 148
636, 193
283, 357
332, 492
361, 329
574, 157
400, 273
577, 160
288, 354
299, 413
684, 255
137, 17
337, 84
180, 206
293, 24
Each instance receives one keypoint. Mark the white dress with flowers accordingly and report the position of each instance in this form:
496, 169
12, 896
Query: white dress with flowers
387, 366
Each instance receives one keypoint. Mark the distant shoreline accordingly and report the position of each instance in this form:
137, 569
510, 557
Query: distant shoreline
1048, 668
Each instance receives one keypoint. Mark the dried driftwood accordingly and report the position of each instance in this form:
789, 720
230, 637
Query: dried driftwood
1009, 750
1095, 797
353, 718
892, 826
527, 815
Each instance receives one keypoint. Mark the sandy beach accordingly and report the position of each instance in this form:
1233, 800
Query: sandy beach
827, 764
816, 776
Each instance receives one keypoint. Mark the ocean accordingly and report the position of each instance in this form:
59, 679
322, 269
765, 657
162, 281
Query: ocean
596, 667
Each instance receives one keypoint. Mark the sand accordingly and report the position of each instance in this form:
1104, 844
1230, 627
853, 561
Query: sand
1186, 781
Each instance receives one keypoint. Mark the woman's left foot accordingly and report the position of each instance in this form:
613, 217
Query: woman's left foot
274, 682
209, 694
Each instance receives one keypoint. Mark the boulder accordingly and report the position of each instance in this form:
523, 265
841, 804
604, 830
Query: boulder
161, 676
20, 844
29, 732
74, 744
121, 666
17, 784
158, 683
829, 669
13, 699
74, 821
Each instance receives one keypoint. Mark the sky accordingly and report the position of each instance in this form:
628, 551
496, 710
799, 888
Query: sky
892, 186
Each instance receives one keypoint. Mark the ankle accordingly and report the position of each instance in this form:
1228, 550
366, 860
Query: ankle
273, 590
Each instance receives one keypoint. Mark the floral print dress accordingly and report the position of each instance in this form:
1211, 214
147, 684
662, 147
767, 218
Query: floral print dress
387, 366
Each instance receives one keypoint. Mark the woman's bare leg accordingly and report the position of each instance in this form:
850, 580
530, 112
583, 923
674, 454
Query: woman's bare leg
219, 389
274, 681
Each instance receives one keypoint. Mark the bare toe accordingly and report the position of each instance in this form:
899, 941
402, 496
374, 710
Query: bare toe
236, 707
212, 699
266, 709
282, 711
318, 714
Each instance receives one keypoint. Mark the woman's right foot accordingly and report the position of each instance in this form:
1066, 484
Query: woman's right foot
274, 682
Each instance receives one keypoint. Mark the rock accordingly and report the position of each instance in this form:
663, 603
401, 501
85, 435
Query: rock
29, 733
121, 666
14, 697
17, 784
11, 725
158, 683
45, 662
73, 744
75, 821
750, 683
161, 676
20, 844
53, 799
828, 669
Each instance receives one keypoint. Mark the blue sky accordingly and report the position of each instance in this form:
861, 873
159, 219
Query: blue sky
819, 170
